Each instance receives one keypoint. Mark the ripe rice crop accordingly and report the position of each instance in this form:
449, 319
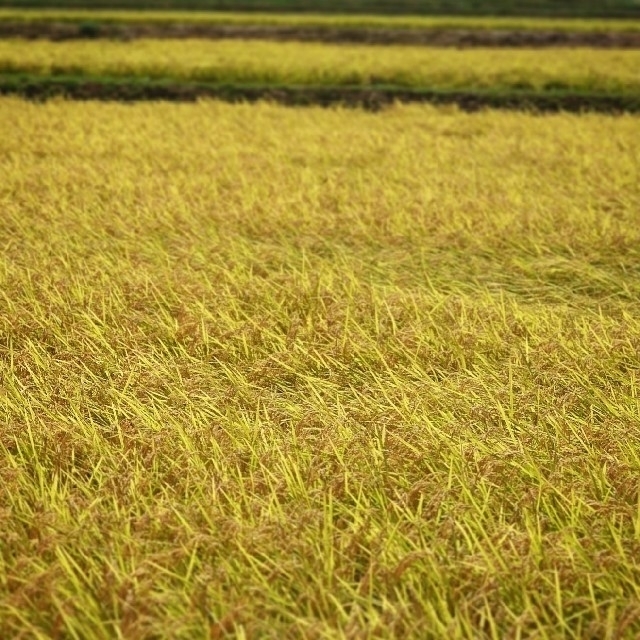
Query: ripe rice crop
316, 20
318, 373
257, 62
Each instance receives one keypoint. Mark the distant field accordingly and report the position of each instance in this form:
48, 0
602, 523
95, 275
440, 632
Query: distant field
316, 20
298, 64
593, 8
276, 373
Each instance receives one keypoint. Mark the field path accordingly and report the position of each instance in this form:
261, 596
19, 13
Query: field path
437, 36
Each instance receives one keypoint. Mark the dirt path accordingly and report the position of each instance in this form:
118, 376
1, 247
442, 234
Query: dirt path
368, 98
430, 37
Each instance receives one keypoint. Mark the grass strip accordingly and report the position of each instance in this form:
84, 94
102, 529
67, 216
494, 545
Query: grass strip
546, 8
123, 17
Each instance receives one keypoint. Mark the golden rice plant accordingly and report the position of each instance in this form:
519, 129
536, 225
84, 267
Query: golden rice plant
259, 62
318, 373
315, 20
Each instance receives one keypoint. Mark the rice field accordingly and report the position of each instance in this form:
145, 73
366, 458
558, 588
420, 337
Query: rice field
270, 373
286, 63
132, 16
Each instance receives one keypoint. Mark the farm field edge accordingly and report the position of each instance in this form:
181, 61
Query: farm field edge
374, 97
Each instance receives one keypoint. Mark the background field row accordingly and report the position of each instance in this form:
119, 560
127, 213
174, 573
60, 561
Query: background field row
313, 64
315, 20
597, 8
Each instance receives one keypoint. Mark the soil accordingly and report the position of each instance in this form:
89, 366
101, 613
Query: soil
428, 37
368, 98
